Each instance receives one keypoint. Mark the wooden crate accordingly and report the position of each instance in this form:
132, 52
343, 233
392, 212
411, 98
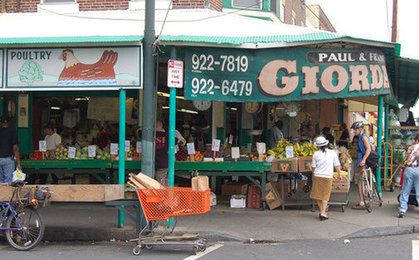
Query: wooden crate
74, 193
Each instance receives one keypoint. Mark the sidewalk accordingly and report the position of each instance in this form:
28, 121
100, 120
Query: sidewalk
97, 222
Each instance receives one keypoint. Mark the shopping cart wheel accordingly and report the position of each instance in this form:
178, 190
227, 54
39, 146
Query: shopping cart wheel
149, 247
343, 208
202, 247
196, 249
137, 250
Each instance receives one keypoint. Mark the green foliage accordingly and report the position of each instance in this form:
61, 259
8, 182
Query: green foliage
30, 72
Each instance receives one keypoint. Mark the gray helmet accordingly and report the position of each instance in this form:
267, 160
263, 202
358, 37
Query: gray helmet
357, 125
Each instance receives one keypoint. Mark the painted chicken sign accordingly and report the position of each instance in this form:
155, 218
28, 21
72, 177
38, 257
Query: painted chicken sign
74, 68
101, 72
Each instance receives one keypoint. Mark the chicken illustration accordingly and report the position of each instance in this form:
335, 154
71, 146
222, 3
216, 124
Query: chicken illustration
76, 73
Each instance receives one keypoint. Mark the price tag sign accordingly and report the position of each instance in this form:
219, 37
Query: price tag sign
215, 147
176, 149
71, 152
139, 148
127, 145
191, 148
230, 139
235, 152
289, 152
42, 146
249, 148
261, 148
91, 149
114, 149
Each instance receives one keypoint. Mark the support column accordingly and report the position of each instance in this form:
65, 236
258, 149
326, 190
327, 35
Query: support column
172, 129
150, 90
386, 113
172, 134
121, 152
379, 140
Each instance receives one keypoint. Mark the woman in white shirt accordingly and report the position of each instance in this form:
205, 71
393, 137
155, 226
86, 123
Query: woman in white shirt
322, 166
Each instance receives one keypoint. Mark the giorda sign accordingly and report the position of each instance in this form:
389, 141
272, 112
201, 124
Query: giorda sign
270, 75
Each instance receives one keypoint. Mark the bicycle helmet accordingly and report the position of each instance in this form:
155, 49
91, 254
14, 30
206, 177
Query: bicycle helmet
357, 125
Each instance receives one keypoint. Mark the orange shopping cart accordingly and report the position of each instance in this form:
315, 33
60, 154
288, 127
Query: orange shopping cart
162, 204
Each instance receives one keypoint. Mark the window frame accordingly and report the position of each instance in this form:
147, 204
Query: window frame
248, 8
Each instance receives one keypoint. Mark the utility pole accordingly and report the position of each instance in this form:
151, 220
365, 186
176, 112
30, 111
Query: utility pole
394, 22
149, 92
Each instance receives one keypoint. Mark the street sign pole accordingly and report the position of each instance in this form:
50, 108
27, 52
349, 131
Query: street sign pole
149, 104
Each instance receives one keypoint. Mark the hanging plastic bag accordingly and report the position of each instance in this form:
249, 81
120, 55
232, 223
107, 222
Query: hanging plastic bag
18, 175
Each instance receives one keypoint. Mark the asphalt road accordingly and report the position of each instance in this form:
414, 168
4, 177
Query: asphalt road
393, 247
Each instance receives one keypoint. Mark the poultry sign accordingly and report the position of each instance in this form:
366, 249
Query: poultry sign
74, 68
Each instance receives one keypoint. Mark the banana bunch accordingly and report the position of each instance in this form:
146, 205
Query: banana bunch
300, 149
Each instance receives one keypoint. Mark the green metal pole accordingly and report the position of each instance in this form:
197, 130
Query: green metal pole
121, 157
149, 92
172, 133
379, 140
172, 129
386, 113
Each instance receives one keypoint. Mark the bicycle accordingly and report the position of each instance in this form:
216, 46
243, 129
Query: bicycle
369, 190
19, 219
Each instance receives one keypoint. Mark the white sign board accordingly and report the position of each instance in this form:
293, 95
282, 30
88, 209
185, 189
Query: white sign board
175, 73
71, 154
114, 148
191, 148
215, 147
289, 152
91, 151
127, 146
261, 148
73, 68
230, 139
42, 146
235, 152
1, 68
139, 147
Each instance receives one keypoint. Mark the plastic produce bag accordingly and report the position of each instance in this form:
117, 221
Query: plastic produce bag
18, 175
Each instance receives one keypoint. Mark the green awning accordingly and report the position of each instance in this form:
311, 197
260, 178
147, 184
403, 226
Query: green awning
406, 81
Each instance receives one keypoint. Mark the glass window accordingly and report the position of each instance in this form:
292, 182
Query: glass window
58, 1
248, 4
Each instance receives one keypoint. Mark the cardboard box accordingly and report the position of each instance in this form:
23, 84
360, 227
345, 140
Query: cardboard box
235, 188
273, 196
340, 186
82, 179
213, 199
278, 185
238, 201
285, 165
254, 197
304, 163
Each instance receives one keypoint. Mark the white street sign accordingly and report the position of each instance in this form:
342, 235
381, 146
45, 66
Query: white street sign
175, 74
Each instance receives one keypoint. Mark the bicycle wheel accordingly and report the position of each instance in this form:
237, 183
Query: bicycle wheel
30, 229
376, 198
366, 194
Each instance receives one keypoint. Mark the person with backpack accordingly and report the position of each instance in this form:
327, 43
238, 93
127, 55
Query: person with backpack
411, 176
366, 158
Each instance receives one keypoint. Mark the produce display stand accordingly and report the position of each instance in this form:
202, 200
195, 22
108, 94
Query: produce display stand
284, 202
250, 170
99, 169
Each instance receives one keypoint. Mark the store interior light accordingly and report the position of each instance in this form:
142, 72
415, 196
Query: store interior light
82, 99
233, 108
182, 110
188, 111
56, 108
164, 94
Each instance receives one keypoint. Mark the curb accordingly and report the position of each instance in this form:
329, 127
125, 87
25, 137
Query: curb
60, 234
384, 231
